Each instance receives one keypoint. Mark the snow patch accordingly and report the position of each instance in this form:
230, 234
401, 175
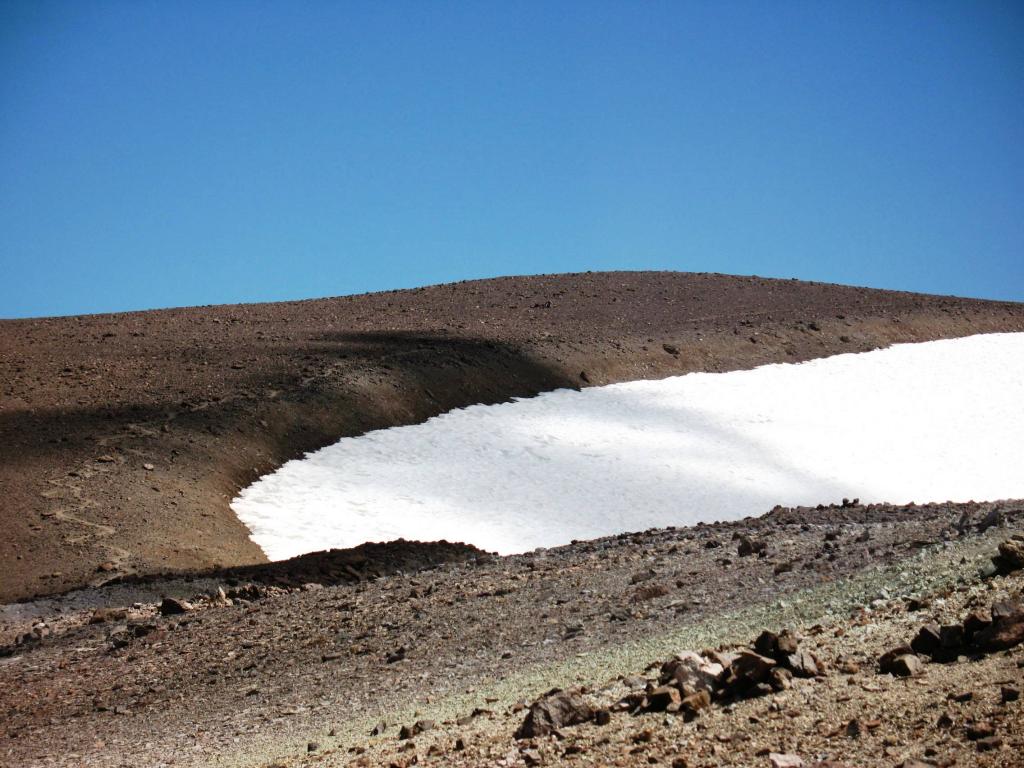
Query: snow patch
934, 421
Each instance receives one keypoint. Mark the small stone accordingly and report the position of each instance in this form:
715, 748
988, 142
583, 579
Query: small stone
989, 743
927, 641
148, 467
691, 705
104, 615
749, 546
550, 713
901, 662
847, 665
643, 737
171, 606
787, 642
312, 746
951, 640
908, 665
780, 679
531, 757
664, 698
379, 728
602, 717
977, 731
917, 604
779, 760
803, 664
1006, 629
749, 667
767, 643
1008, 693
975, 622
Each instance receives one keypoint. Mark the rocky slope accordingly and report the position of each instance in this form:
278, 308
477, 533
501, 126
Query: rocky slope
254, 668
124, 437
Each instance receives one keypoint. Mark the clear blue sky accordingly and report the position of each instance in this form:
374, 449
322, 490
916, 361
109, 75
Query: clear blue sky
160, 154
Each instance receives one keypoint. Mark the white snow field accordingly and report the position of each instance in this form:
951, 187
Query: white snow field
935, 421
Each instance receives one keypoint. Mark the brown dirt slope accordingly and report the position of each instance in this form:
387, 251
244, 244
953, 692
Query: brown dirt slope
123, 437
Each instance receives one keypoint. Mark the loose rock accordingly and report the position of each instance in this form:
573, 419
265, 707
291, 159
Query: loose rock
778, 760
557, 710
171, 606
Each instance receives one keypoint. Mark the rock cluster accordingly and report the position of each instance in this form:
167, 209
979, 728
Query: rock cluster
687, 684
998, 629
770, 665
34, 637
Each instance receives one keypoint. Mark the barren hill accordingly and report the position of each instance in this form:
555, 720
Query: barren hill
123, 437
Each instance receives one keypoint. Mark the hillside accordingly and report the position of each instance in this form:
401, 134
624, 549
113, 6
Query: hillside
124, 437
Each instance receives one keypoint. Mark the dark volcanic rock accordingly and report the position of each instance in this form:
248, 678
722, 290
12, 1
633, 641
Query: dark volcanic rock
1006, 629
767, 643
928, 640
749, 546
691, 705
901, 661
664, 698
556, 710
171, 606
746, 673
803, 664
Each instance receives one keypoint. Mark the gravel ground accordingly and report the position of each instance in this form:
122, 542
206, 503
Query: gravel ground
851, 716
253, 679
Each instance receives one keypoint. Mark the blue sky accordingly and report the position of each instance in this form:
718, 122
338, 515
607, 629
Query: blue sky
163, 154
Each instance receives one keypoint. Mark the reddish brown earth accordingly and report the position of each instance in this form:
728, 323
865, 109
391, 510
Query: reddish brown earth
124, 437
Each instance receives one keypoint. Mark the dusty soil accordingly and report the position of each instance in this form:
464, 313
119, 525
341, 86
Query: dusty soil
255, 678
124, 437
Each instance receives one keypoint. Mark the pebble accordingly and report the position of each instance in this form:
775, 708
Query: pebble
781, 760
